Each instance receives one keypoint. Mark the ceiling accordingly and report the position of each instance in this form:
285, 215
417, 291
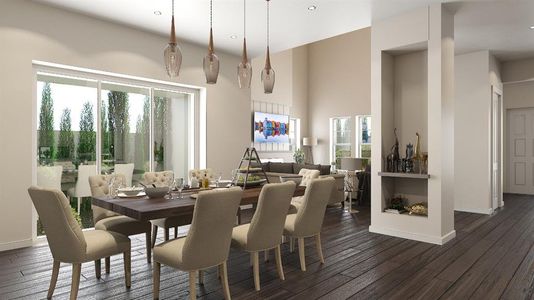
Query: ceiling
500, 26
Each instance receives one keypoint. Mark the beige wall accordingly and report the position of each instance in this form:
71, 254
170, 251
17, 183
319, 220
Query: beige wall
30, 31
339, 84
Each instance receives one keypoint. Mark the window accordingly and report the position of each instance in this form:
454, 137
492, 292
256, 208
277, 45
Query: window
340, 139
105, 122
294, 134
363, 136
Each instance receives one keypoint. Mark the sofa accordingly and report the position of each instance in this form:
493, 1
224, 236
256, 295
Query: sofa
275, 170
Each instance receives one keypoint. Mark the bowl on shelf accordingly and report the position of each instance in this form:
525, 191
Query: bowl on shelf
296, 179
156, 192
130, 191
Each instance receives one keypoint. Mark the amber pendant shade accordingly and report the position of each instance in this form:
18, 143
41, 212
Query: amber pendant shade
244, 69
268, 75
211, 63
172, 55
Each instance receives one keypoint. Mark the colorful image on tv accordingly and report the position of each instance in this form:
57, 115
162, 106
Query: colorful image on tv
271, 128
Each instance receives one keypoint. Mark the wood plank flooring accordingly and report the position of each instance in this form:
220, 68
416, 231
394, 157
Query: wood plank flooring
492, 257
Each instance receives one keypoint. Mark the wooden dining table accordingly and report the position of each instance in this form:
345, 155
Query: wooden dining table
146, 209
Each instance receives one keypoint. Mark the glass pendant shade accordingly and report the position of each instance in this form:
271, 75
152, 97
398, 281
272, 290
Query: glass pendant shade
172, 55
244, 69
211, 63
268, 75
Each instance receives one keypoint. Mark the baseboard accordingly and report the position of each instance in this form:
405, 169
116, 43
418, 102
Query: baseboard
438, 240
16, 245
488, 211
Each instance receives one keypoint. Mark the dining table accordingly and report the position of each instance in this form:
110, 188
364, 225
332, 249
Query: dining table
146, 209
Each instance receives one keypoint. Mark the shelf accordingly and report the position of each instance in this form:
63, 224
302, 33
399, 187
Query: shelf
252, 170
404, 175
405, 214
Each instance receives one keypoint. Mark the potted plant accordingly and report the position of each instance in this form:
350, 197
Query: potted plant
298, 156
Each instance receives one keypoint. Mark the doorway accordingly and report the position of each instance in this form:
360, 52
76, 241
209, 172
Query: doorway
521, 150
496, 149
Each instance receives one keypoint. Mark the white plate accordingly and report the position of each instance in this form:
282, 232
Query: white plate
123, 195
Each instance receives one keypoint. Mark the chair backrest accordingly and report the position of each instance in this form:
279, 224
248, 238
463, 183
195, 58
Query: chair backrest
208, 241
65, 237
49, 177
99, 185
127, 171
267, 224
308, 175
310, 215
82, 185
163, 178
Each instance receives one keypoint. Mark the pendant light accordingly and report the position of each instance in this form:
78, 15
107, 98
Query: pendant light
172, 54
211, 61
244, 69
267, 75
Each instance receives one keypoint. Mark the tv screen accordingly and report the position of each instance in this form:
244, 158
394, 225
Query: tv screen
271, 128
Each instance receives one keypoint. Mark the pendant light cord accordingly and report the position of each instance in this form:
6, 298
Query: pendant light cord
173, 8
211, 13
268, 23
244, 18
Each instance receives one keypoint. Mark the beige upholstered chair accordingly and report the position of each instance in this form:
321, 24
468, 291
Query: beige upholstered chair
164, 178
266, 227
49, 177
69, 244
307, 176
126, 170
82, 188
308, 220
207, 243
110, 221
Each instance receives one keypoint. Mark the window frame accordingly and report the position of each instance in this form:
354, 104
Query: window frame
358, 135
294, 143
333, 137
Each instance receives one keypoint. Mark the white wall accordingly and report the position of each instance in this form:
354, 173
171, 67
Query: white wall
30, 31
339, 85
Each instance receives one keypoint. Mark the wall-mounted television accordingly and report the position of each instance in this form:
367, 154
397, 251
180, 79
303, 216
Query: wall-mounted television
271, 128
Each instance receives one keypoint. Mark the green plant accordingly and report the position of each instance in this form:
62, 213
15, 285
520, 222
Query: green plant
65, 149
46, 121
118, 122
87, 141
298, 156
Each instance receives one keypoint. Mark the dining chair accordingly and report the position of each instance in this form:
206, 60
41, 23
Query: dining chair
82, 188
127, 170
308, 220
207, 243
307, 176
69, 244
111, 221
164, 178
49, 177
264, 232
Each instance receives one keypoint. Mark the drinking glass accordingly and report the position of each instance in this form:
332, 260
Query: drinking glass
179, 184
111, 187
218, 180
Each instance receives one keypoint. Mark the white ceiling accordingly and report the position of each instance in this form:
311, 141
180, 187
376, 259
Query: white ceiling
500, 26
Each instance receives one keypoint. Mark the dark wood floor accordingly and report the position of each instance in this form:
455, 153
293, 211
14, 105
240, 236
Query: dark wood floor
491, 257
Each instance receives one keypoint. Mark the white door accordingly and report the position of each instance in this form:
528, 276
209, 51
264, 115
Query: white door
521, 151
496, 149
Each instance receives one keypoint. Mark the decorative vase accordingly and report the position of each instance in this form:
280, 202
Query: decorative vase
194, 182
205, 183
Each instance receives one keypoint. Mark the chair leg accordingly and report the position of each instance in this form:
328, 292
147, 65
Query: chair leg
97, 269
278, 257
200, 277
192, 286
53, 279
155, 275
291, 244
76, 271
79, 205
226, 288
256, 269
128, 269
154, 235
107, 263
319, 248
175, 232
148, 242
301, 255
266, 256
166, 233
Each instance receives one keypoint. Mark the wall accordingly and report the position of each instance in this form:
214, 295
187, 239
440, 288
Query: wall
339, 84
30, 31
472, 132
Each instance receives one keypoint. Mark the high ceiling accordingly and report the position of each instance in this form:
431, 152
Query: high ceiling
500, 26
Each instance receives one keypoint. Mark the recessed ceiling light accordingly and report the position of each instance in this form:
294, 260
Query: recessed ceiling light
532, 27
157, 12
312, 7
233, 36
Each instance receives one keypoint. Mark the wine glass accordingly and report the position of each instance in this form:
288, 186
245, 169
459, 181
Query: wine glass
218, 180
179, 184
111, 187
